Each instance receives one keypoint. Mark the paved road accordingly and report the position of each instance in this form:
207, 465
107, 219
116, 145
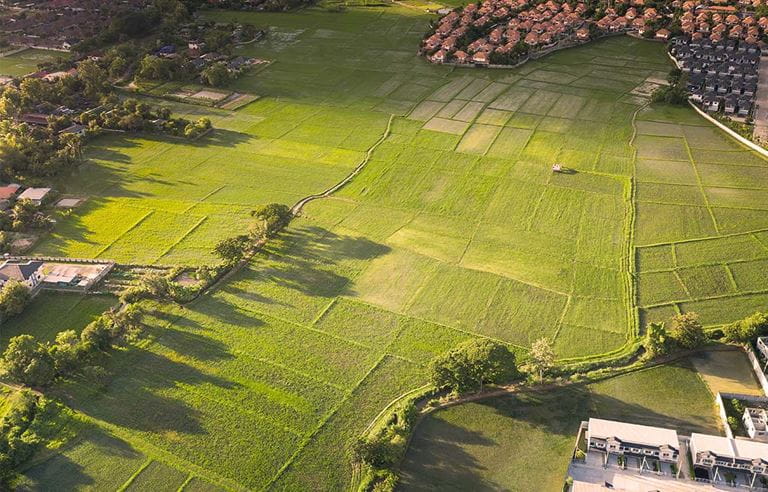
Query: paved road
761, 101
589, 479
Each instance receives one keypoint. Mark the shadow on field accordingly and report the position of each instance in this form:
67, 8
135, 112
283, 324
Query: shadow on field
310, 260
116, 457
140, 394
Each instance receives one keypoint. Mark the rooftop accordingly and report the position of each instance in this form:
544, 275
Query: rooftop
638, 434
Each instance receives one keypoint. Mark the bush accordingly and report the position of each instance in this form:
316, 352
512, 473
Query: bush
687, 331
747, 329
472, 364
14, 297
28, 361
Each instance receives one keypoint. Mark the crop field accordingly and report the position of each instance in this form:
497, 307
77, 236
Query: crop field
456, 228
701, 222
524, 441
25, 61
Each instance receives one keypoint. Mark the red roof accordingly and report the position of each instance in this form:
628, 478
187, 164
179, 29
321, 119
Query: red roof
8, 191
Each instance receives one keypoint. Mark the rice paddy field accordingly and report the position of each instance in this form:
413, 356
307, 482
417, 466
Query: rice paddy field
25, 61
524, 441
456, 228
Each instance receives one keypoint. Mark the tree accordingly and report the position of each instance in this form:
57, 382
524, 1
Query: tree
28, 361
65, 351
471, 364
97, 334
94, 78
378, 452
687, 332
542, 356
232, 249
215, 75
272, 218
656, 340
744, 330
14, 297
22, 214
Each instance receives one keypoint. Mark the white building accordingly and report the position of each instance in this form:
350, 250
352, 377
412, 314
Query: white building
756, 423
642, 441
721, 455
35, 195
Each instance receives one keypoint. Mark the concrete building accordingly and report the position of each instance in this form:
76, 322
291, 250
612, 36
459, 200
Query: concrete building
756, 423
641, 441
722, 457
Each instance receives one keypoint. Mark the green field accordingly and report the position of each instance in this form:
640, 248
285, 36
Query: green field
52, 312
456, 228
524, 441
26, 61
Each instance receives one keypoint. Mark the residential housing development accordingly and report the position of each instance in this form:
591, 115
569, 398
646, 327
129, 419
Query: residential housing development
620, 438
720, 455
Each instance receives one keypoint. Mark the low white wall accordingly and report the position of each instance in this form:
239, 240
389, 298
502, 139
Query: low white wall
723, 415
753, 359
731, 133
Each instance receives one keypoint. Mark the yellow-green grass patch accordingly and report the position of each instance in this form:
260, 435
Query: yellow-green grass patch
478, 139
651, 170
659, 223
446, 126
727, 372
659, 288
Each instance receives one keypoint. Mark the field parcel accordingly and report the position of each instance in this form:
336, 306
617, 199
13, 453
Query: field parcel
456, 228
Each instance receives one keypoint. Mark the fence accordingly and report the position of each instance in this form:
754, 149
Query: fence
60, 259
755, 361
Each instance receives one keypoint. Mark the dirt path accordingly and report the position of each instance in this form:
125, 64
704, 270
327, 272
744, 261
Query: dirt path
296, 209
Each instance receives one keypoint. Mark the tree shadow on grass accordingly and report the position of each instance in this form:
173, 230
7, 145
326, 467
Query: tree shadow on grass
311, 260
63, 472
142, 394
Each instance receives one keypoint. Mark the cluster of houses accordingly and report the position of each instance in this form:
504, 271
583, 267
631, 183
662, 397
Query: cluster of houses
721, 75
59, 24
720, 52
637, 18
504, 25
11, 193
199, 56
714, 459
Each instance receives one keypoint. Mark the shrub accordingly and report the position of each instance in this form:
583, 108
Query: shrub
687, 332
28, 361
14, 297
472, 364
747, 329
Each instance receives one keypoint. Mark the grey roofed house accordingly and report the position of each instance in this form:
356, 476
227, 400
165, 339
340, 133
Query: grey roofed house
730, 103
745, 106
35, 195
622, 438
28, 273
715, 453
711, 101
75, 129
762, 346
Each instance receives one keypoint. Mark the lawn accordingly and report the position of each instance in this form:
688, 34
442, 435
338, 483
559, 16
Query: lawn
456, 228
524, 441
26, 61
52, 312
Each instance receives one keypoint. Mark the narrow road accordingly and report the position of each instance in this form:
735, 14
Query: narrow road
761, 102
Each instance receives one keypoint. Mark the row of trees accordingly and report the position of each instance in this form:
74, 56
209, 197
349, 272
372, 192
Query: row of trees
270, 219
686, 332
133, 115
35, 363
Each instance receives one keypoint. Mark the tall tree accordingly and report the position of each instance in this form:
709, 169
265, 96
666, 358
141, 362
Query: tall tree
542, 356
472, 364
26, 360
656, 340
687, 331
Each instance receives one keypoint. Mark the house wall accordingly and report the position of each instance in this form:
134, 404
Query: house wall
757, 368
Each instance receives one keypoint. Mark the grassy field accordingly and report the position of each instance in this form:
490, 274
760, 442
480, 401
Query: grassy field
456, 228
26, 61
50, 313
524, 441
